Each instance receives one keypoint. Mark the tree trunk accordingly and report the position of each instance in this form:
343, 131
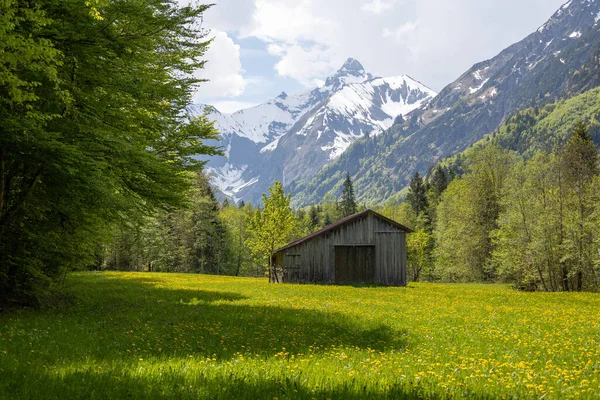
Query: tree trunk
563, 267
3, 181
239, 257
565, 277
9, 210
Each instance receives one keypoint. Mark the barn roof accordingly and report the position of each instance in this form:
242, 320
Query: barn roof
341, 222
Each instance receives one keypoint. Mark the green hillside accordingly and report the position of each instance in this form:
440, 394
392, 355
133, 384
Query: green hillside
541, 128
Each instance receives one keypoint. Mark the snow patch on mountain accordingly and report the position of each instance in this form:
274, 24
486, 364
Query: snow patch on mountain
341, 142
271, 146
316, 125
264, 122
229, 178
478, 88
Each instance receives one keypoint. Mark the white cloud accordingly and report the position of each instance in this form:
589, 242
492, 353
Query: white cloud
223, 69
231, 106
403, 31
306, 65
290, 22
378, 6
433, 40
296, 33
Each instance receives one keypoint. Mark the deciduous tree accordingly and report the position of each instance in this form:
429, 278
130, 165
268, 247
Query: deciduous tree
272, 227
93, 127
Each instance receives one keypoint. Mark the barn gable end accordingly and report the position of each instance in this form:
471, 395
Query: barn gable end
363, 248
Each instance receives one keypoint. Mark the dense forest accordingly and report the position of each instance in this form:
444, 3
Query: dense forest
527, 217
216, 237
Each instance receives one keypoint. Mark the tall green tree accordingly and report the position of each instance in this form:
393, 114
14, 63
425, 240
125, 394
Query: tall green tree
468, 215
420, 255
438, 182
236, 220
272, 228
580, 163
528, 244
348, 201
417, 194
93, 99
489, 168
457, 238
208, 230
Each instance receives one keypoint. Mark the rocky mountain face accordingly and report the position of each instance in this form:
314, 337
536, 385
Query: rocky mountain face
558, 61
292, 137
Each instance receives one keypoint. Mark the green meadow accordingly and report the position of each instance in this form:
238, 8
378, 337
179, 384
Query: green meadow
139, 335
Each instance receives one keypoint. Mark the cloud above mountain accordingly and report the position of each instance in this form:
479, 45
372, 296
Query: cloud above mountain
306, 40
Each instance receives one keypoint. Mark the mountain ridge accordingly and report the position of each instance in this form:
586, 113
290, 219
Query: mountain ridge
557, 61
291, 137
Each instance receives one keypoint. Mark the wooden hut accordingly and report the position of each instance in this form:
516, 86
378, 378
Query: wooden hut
361, 249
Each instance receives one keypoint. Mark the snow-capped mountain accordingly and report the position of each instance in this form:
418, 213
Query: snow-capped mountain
557, 61
293, 136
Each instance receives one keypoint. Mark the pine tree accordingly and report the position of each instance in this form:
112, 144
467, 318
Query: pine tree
348, 202
417, 194
313, 215
208, 230
439, 181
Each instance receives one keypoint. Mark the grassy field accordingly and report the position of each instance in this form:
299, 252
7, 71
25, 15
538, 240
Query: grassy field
186, 336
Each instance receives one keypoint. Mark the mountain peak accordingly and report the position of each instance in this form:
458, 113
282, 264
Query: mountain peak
351, 72
574, 14
352, 67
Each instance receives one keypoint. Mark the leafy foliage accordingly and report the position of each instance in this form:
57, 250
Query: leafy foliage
530, 222
272, 227
93, 129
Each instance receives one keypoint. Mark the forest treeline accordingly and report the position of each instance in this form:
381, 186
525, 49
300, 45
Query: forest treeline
488, 215
216, 237
531, 222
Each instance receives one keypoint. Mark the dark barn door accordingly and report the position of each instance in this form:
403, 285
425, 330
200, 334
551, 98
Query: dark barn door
354, 264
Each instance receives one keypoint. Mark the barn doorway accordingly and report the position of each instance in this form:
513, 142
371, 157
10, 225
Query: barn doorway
354, 264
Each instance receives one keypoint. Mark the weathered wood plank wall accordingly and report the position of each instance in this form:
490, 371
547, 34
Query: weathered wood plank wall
313, 261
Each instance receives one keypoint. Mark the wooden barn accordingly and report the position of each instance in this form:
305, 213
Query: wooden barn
361, 249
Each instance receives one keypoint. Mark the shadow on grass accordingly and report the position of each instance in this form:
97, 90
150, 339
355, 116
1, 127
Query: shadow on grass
114, 318
89, 385
122, 322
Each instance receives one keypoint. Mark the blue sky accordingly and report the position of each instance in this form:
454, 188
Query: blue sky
264, 47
